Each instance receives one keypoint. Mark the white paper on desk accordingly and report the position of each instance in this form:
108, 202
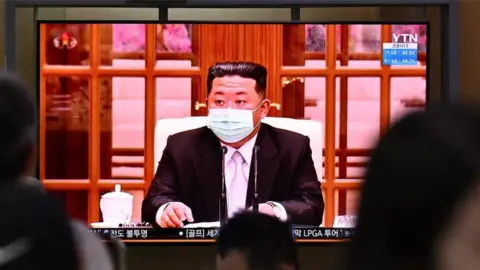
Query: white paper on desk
214, 224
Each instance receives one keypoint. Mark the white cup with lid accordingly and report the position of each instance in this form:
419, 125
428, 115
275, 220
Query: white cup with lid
116, 207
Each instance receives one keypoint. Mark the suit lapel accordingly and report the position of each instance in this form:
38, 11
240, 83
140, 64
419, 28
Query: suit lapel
268, 162
208, 167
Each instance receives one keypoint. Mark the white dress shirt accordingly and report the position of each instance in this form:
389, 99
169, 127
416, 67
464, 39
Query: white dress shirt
246, 151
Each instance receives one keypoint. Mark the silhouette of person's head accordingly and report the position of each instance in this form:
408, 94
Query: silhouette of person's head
253, 241
420, 204
18, 122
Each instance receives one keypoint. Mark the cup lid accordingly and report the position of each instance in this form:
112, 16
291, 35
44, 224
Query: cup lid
117, 193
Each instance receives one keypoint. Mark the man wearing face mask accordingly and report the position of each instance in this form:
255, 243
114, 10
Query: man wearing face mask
187, 184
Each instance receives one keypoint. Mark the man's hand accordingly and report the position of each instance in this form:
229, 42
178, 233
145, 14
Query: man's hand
265, 208
175, 214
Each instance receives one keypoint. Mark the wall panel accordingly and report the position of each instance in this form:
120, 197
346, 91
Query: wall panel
26, 48
339, 14
111, 14
469, 52
2, 59
237, 14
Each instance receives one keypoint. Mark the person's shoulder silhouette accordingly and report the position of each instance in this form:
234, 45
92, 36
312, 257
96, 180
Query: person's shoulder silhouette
18, 122
417, 174
35, 231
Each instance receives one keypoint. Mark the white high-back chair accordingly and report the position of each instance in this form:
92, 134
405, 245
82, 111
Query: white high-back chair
310, 128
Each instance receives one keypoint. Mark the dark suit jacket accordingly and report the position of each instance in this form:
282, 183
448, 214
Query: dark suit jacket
190, 172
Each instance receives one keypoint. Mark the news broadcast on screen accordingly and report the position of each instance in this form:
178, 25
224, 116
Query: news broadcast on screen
161, 132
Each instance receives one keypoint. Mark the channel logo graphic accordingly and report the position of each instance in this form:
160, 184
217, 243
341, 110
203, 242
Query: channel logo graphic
65, 40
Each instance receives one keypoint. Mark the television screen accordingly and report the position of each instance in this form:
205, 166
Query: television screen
115, 96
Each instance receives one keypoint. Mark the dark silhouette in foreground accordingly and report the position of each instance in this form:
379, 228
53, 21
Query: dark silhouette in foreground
420, 201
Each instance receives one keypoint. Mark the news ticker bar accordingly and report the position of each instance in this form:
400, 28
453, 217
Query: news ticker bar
400, 54
310, 233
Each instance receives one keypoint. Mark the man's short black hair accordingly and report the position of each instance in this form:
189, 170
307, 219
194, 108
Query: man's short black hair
266, 242
18, 120
248, 70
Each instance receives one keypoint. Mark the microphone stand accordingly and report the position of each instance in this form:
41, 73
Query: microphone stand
255, 176
223, 214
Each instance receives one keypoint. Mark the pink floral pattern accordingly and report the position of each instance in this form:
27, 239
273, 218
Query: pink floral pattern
128, 37
170, 38
176, 37
363, 38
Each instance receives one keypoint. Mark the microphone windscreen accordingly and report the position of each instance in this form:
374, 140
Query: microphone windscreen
224, 149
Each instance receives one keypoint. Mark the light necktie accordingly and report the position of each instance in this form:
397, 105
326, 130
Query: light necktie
237, 191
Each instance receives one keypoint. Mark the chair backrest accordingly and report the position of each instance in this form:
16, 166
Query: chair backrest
312, 129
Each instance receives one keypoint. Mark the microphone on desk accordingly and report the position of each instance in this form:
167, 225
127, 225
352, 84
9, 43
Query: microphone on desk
255, 176
223, 214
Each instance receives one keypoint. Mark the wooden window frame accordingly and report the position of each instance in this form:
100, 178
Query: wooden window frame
331, 184
94, 185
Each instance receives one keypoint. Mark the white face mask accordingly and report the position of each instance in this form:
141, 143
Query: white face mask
231, 125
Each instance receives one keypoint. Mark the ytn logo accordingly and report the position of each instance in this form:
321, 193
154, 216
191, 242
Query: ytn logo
65, 40
405, 38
